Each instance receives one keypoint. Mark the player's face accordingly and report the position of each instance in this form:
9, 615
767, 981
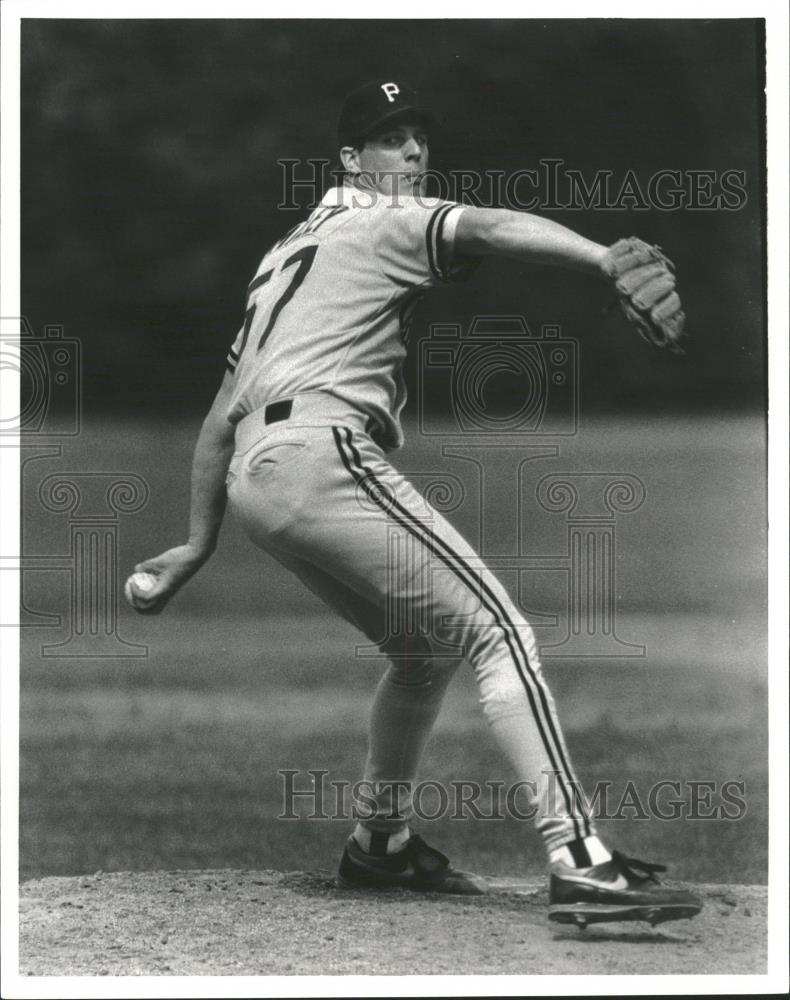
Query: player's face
396, 158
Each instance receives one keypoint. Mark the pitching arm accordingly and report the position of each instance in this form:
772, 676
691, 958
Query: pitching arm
502, 232
213, 453
640, 275
212, 456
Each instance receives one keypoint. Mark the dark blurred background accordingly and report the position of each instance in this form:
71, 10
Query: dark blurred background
150, 183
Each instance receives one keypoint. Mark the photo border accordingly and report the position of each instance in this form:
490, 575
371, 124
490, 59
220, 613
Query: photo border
11, 13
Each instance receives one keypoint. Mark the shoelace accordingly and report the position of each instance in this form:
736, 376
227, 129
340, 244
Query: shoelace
633, 866
424, 858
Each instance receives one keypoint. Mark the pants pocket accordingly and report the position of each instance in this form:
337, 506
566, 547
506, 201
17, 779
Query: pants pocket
272, 455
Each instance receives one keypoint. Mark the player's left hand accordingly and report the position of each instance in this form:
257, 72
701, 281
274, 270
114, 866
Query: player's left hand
170, 572
644, 280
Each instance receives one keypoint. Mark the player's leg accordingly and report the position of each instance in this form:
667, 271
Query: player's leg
468, 609
357, 517
405, 706
284, 492
588, 884
354, 517
383, 850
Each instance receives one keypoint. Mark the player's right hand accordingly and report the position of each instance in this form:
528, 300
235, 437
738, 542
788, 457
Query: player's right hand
170, 571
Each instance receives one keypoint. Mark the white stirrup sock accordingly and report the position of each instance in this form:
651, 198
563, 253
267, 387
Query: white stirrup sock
395, 841
582, 853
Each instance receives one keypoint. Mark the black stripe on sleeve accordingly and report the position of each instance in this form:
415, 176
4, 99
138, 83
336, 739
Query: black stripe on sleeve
232, 360
441, 249
463, 268
435, 225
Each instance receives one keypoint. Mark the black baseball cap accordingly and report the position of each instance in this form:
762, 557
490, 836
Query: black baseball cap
375, 104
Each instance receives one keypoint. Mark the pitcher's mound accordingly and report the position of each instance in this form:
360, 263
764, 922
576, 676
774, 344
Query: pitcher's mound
246, 923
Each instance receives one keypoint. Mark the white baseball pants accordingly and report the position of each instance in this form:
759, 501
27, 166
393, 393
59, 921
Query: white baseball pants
319, 495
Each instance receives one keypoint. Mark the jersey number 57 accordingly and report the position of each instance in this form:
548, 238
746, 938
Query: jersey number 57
301, 261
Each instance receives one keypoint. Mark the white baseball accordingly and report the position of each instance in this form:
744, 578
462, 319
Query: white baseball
143, 581
139, 582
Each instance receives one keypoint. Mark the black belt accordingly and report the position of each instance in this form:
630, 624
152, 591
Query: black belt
280, 410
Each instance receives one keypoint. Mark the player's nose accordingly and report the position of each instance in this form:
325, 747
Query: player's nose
412, 150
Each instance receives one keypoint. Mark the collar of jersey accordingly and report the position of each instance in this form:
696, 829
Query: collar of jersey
343, 194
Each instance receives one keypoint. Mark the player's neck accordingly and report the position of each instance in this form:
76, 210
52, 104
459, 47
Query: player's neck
368, 186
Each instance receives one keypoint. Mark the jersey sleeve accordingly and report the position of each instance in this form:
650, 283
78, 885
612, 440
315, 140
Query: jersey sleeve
418, 242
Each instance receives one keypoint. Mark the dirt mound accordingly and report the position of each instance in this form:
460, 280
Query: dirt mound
297, 923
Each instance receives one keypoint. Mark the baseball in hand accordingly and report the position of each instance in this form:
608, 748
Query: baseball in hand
140, 583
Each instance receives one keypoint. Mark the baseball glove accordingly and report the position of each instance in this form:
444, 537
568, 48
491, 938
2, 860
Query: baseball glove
644, 280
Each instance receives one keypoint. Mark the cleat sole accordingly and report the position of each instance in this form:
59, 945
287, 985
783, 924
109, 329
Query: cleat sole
582, 914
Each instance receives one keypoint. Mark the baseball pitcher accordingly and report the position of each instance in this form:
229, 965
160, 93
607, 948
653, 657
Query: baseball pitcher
299, 439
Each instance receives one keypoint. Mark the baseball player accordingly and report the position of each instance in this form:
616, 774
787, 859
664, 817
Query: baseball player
298, 440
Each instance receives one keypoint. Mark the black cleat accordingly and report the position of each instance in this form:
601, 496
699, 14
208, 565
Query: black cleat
416, 866
620, 889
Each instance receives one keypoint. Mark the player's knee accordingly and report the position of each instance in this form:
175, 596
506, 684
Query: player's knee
508, 672
501, 694
427, 672
491, 641
402, 647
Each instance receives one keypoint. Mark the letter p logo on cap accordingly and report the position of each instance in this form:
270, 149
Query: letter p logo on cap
390, 89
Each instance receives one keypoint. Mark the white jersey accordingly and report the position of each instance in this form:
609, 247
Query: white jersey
330, 305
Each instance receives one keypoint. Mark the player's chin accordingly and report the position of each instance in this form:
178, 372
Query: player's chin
413, 184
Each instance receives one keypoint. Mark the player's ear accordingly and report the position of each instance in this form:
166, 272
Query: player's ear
349, 157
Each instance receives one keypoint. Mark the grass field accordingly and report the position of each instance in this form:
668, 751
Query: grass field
171, 760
